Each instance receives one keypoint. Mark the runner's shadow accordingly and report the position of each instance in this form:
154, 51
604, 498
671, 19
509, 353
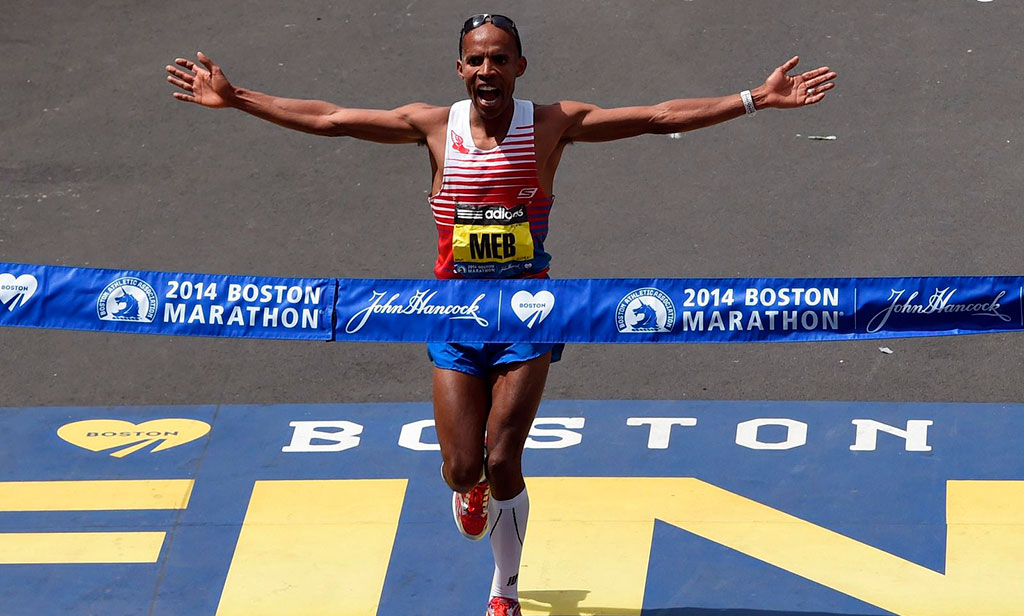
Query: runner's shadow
567, 603
562, 603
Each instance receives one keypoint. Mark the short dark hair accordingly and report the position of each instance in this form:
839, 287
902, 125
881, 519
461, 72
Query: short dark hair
498, 21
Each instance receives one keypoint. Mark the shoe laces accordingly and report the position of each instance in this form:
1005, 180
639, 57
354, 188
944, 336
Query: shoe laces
476, 500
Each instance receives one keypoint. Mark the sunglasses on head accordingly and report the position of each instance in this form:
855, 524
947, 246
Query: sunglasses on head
498, 21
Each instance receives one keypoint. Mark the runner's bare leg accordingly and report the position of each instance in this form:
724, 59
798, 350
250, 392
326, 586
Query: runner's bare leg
515, 397
461, 405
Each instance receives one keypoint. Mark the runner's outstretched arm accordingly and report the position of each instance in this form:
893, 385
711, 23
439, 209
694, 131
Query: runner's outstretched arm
209, 87
782, 91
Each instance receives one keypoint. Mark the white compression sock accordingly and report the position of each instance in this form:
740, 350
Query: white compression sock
508, 529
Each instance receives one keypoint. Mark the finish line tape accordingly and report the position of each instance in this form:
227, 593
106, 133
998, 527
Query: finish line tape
621, 310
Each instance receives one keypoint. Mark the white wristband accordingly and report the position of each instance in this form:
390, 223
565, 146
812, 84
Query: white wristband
748, 102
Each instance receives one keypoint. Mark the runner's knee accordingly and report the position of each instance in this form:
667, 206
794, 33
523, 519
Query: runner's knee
462, 472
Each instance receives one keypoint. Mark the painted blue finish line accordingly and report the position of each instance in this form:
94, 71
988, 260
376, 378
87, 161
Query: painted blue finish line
661, 310
876, 473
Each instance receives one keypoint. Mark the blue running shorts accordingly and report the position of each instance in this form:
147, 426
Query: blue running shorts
478, 359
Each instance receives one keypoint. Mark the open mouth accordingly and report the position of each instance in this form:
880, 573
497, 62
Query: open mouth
488, 94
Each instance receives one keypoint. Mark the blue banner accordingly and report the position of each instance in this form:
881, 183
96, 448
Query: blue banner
659, 310
674, 310
165, 302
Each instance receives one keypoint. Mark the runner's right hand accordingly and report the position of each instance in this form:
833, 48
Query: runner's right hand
207, 87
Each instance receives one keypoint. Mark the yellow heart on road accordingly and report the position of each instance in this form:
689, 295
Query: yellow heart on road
127, 438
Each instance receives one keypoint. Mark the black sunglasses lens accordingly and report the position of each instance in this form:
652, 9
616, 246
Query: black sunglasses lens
503, 22
476, 21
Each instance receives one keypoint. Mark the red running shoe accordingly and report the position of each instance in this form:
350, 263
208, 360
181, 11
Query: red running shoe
470, 511
503, 606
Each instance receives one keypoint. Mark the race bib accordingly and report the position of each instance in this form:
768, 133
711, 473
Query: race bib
491, 234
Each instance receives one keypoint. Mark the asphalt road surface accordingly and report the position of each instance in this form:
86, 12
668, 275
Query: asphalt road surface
101, 167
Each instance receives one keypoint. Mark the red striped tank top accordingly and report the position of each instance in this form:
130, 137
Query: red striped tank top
491, 212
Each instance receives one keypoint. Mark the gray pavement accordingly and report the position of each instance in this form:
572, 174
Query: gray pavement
100, 167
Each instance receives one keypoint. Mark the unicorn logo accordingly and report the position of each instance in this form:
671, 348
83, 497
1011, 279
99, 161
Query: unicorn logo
128, 309
646, 310
647, 318
127, 299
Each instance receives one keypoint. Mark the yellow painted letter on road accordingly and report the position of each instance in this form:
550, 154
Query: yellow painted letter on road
79, 548
314, 547
587, 544
591, 557
100, 495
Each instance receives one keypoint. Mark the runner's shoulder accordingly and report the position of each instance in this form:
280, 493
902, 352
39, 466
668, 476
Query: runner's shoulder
423, 115
560, 116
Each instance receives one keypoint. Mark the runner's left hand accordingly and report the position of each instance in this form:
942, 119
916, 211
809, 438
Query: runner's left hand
785, 91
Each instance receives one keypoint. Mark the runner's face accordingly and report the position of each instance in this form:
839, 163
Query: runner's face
489, 66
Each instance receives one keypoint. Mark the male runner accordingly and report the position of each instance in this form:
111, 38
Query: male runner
493, 160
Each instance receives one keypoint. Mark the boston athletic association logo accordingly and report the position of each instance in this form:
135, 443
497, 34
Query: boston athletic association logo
127, 299
645, 310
